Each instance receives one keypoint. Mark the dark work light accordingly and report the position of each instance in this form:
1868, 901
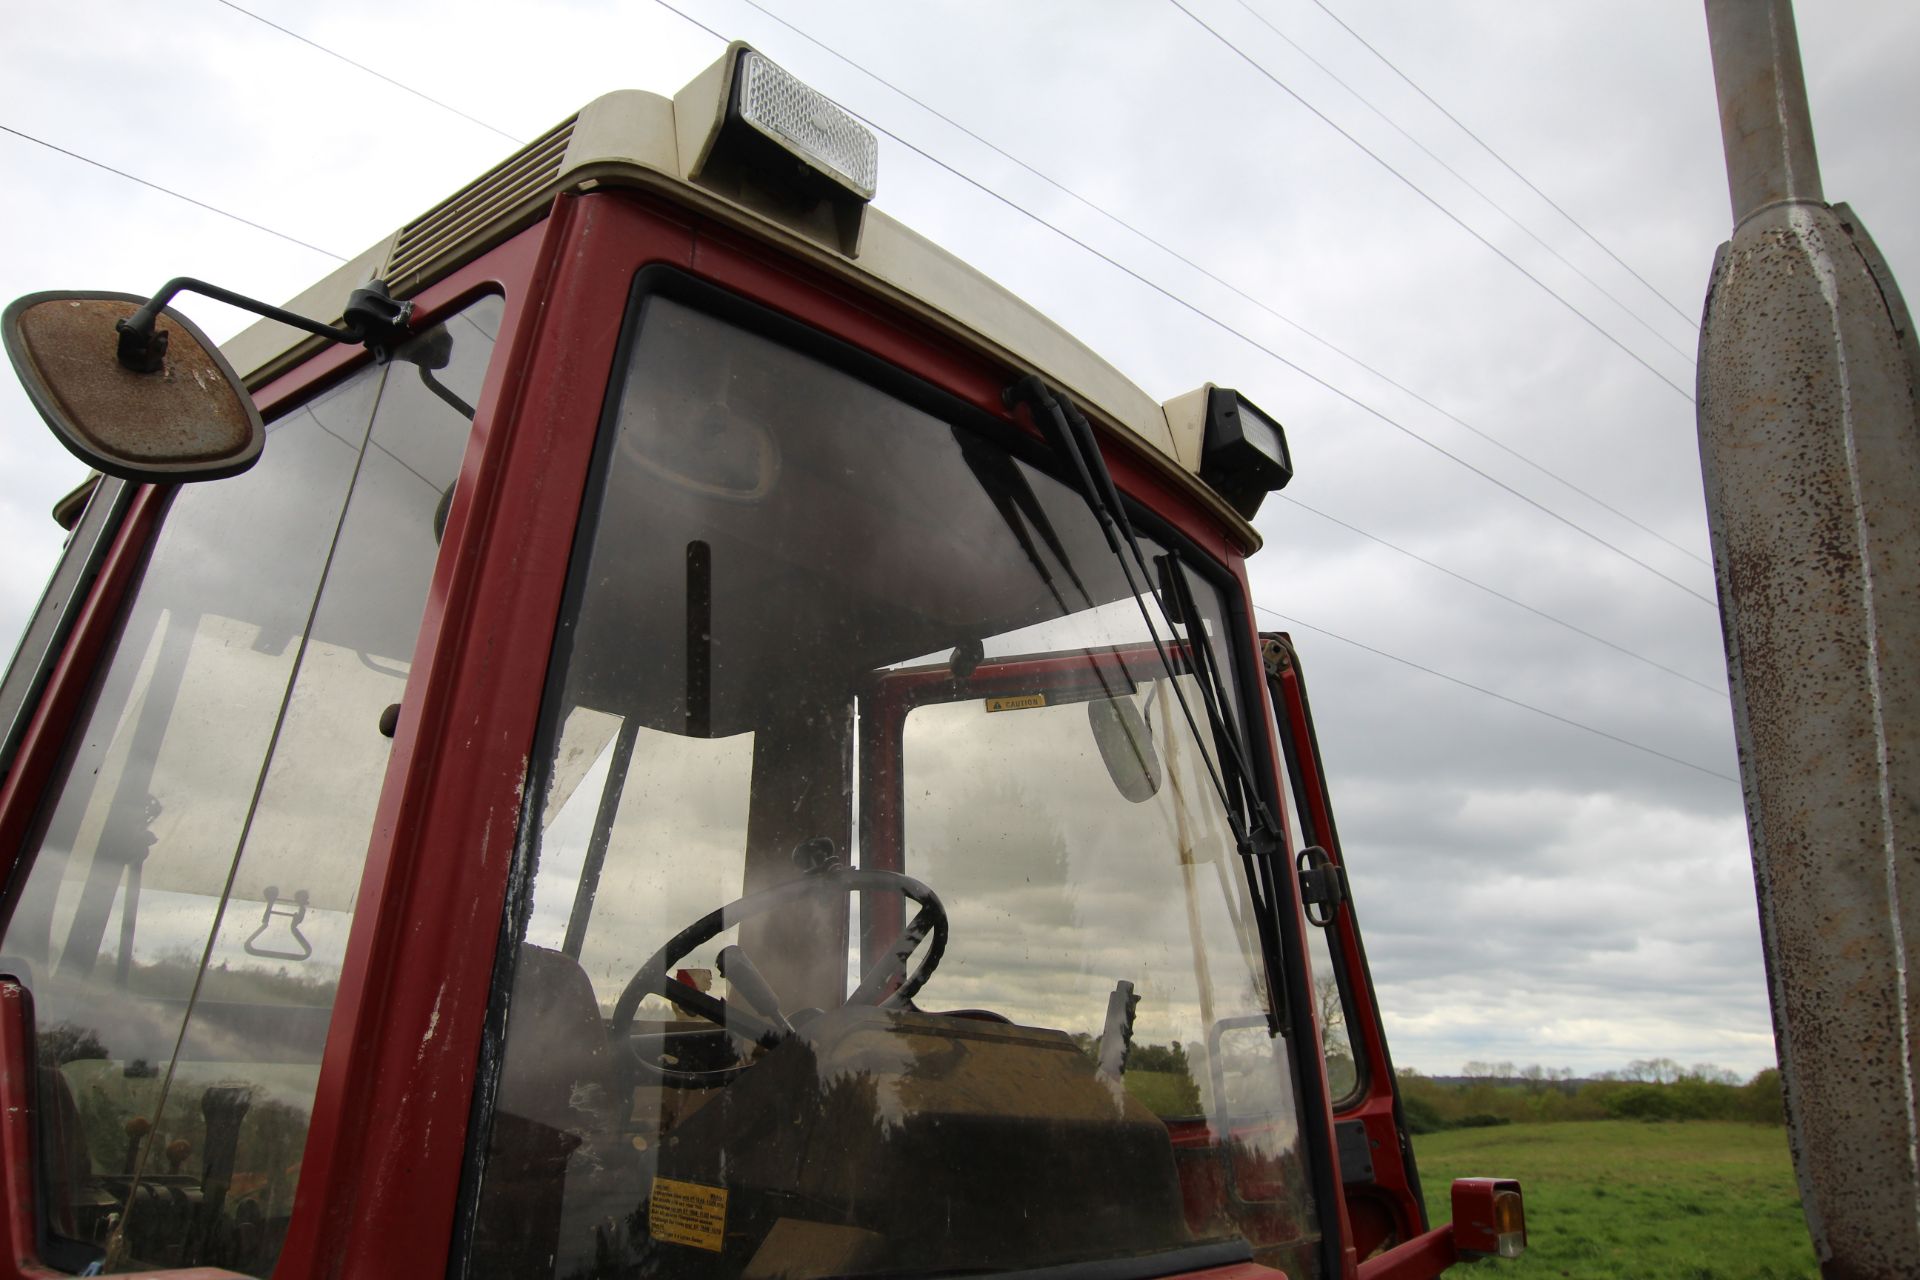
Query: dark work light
1243, 456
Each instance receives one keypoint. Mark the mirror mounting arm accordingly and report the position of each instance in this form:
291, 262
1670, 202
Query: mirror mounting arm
372, 317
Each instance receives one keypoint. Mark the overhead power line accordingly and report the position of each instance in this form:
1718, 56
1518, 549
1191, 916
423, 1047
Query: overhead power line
1255, 343
1296, 502
1167, 293
1353, 528
1466, 684
201, 204
1224, 283
1484, 146
1468, 183
1011, 204
403, 87
1381, 653
1451, 216
1556, 619
1482, 689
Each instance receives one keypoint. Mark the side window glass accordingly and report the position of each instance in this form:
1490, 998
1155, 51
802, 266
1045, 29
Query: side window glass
1330, 1007
1329, 989
184, 908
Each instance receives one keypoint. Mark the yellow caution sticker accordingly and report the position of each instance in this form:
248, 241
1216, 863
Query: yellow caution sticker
688, 1213
1020, 702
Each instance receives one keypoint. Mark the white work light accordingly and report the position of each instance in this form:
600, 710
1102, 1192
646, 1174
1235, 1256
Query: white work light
805, 123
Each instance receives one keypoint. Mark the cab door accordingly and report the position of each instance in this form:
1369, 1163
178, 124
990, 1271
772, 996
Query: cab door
197, 741
1379, 1182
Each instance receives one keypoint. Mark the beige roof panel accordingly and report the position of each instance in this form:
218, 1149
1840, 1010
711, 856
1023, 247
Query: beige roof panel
636, 139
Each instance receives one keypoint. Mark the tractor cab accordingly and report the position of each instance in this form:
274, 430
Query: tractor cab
869, 815
708, 742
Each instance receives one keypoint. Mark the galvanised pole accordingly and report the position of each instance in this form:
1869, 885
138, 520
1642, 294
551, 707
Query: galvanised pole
1810, 451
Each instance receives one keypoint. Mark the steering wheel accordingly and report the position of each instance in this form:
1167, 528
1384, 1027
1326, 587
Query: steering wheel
762, 1020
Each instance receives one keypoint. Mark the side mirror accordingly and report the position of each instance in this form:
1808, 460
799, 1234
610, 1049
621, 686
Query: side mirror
1126, 747
188, 419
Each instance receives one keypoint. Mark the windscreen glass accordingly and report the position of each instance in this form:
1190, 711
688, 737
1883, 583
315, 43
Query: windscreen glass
884, 916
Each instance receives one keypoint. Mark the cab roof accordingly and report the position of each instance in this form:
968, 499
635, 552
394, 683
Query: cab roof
638, 140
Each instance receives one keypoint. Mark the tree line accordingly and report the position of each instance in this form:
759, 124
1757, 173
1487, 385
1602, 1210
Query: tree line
1486, 1094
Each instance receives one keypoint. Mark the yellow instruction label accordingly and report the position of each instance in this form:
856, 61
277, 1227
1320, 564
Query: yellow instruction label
688, 1213
1020, 702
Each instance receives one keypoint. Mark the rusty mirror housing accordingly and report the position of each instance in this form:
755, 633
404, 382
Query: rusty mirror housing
189, 419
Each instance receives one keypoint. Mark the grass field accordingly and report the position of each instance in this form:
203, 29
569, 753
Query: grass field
1628, 1200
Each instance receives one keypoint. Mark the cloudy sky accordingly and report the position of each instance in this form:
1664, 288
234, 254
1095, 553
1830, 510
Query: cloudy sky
1498, 497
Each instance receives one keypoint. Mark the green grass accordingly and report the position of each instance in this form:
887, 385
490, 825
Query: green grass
1166, 1093
1628, 1200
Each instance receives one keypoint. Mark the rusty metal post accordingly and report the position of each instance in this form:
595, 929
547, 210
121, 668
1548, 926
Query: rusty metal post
1810, 451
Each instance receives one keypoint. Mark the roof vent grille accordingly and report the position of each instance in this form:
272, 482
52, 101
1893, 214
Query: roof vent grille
481, 213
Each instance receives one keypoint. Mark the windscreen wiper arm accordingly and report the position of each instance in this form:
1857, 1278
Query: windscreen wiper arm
1068, 431
1260, 846
1013, 497
1255, 833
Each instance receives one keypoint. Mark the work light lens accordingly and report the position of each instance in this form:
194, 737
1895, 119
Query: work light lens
1262, 434
806, 123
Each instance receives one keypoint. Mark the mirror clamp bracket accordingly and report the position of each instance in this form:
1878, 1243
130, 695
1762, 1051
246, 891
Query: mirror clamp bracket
378, 318
372, 316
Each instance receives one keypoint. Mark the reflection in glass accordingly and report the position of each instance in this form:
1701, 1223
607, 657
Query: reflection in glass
1330, 1002
1330, 1006
820, 731
185, 910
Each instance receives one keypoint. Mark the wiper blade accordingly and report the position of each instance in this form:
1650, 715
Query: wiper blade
1254, 830
1213, 688
1259, 843
1020, 510
1068, 431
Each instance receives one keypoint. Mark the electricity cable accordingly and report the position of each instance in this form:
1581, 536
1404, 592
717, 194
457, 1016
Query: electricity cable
1255, 343
1525, 706
1323, 515
1174, 253
1465, 181
1261, 608
1484, 146
201, 204
1451, 216
1554, 618
1198, 311
405, 88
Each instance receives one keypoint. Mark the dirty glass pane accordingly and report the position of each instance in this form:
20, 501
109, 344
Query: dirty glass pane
680, 818
884, 919
1060, 898
1330, 1002
186, 910
1330, 1006
1014, 810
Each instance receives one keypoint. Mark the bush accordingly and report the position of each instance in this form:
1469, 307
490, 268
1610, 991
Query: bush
1643, 1102
1704, 1092
1761, 1100
1421, 1115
